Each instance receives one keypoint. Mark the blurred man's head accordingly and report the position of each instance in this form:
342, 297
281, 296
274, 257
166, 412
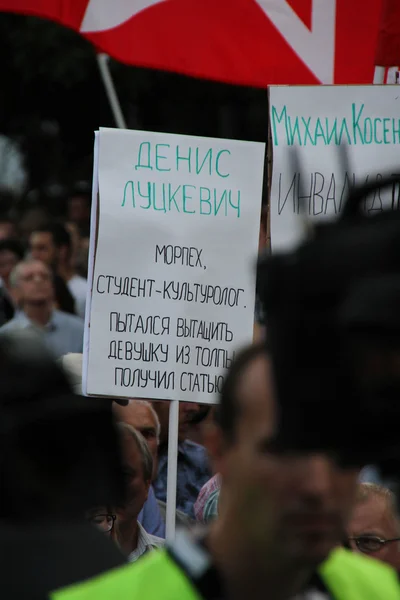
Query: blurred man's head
8, 229
11, 253
32, 219
140, 415
375, 526
137, 469
32, 283
51, 244
59, 455
79, 205
187, 410
75, 237
290, 506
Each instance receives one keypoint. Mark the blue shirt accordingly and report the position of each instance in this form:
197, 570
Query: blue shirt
62, 334
150, 516
193, 472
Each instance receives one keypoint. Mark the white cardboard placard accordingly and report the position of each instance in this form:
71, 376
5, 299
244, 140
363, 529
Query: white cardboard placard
316, 120
173, 271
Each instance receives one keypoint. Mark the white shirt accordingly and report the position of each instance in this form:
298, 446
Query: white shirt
77, 285
146, 543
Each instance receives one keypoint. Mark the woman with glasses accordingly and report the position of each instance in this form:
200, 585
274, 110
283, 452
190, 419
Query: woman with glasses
122, 523
102, 518
375, 526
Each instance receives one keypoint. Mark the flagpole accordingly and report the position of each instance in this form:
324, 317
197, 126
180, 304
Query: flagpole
379, 75
104, 68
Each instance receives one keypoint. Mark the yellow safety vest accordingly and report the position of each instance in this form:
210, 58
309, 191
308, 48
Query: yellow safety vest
346, 576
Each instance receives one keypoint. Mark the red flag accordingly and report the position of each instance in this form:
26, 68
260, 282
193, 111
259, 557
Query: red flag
388, 48
248, 42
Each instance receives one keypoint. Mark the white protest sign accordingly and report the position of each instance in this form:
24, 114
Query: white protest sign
317, 120
173, 284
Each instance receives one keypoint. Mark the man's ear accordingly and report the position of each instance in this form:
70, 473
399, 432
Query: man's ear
216, 447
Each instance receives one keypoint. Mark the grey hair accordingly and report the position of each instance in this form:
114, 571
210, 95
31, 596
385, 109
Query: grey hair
367, 490
147, 459
15, 273
153, 413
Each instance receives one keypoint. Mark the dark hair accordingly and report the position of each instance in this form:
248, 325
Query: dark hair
39, 416
200, 415
228, 410
59, 233
63, 296
13, 246
5, 218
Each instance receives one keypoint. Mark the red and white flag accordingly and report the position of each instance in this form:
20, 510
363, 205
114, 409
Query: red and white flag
248, 42
387, 59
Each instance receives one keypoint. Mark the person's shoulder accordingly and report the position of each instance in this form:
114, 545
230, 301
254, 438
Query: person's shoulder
15, 323
9, 326
370, 578
64, 318
194, 450
190, 446
155, 575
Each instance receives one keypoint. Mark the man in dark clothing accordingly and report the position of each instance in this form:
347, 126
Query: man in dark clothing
11, 253
59, 457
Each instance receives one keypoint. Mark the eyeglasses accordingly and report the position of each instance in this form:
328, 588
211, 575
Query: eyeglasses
104, 522
370, 543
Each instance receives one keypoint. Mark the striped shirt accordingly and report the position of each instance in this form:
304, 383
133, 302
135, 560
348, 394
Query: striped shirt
146, 543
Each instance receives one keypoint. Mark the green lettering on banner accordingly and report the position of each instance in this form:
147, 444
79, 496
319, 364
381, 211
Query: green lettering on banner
154, 198
217, 163
171, 197
160, 157
333, 132
396, 131
199, 166
129, 191
375, 127
187, 158
148, 196
307, 133
319, 132
344, 128
186, 197
293, 132
139, 165
356, 122
205, 198
360, 129
385, 131
368, 134
277, 119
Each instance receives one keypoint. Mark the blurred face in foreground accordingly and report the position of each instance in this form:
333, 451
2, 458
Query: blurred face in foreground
291, 507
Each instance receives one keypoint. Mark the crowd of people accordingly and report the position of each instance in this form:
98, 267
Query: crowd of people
271, 519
